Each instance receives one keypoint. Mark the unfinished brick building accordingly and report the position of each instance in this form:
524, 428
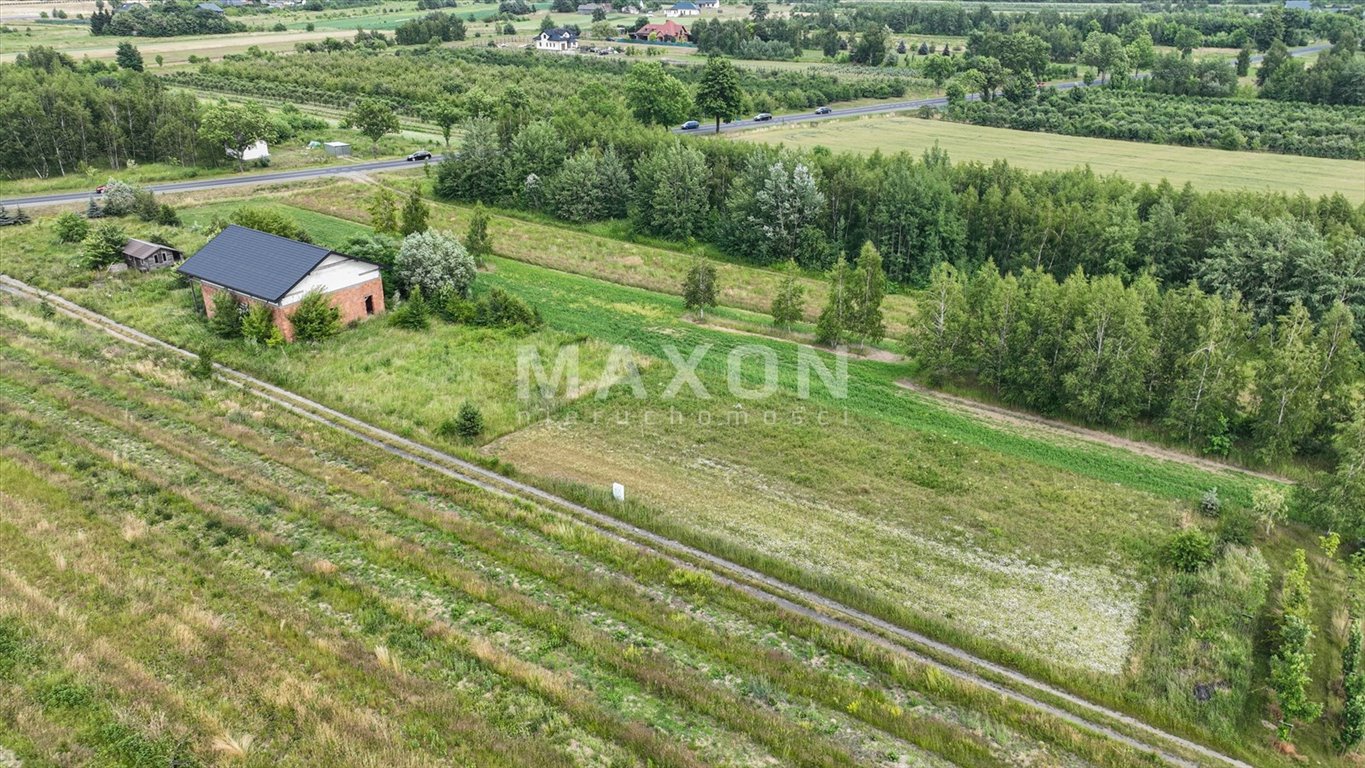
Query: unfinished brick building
257, 267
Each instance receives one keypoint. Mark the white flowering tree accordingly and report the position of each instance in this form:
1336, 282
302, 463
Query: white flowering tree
436, 263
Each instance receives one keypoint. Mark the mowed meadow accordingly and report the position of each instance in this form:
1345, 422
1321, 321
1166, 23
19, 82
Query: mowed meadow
193, 577
1205, 169
1027, 547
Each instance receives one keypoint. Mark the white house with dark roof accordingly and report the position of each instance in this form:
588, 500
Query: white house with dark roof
261, 268
557, 39
682, 9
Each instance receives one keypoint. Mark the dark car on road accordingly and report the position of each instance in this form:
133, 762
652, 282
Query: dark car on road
823, 110
420, 154
763, 117
691, 125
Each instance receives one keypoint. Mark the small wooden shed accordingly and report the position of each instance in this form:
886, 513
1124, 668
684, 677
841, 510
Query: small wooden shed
143, 256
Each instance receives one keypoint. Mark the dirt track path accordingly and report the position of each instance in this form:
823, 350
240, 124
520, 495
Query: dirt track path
1000, 415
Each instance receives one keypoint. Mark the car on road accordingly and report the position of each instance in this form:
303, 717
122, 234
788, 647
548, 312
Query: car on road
101, 189
823, 110
763, 117
420, 154
691, 125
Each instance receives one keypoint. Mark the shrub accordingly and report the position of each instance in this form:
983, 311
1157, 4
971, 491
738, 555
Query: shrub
413, 314
468, 423
120, 199
103, 245
315, 319
258, 326
144, 204
500, 309
227, 316
1236, 528
436, 263
1189, 550
166, 216
70, 228
203, 365
1209, 504
268, 220
478, 242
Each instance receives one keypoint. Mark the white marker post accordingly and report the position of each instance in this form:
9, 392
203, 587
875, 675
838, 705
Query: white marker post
618, 492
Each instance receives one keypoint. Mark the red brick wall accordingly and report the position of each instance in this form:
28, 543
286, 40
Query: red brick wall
351, 302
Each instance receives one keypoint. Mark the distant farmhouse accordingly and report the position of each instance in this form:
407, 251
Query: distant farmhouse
144, 256
1298, 5
210, 7
557, 39
682, 9
668, 32
260, 268
589, 9
708, 5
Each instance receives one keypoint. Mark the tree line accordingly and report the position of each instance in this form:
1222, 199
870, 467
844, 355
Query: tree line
1291, 128
472, 82
164, 19
59, 117
1197, 366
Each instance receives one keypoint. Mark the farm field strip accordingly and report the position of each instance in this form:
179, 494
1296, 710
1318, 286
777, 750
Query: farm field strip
1203, 167
739, 577
311, 544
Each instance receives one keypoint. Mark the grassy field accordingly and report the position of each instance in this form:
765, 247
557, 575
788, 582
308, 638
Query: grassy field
198, 579
1204, 168
1027, 547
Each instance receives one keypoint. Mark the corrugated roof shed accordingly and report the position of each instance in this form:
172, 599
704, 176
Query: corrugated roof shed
141, 249
258, 264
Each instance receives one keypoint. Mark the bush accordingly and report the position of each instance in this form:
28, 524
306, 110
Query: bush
267, 220
258, 326
315, 319
1236, 528
120, 199
1189, 551
467, 424
478, 242
103, 245
70, 228
1209, 504
202, 368
413, 313
436, 263
227, 316
500, 309
166, 216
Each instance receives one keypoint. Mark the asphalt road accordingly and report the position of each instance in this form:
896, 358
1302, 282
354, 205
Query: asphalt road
903, 106
387, 165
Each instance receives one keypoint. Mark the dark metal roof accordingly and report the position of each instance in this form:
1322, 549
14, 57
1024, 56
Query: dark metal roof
141, 249
258, 264
560, 34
